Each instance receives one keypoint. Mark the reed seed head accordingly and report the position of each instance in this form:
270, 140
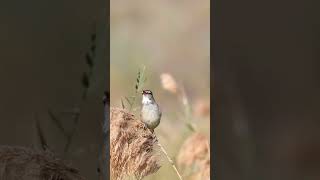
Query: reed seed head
133, 148
18, 163
195, 153
168, 83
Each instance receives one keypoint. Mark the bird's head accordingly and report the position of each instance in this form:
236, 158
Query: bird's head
147, 97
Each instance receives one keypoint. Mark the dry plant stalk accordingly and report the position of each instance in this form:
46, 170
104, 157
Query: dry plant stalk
134, 151
169, 84
171, 161
17, 163
195, 152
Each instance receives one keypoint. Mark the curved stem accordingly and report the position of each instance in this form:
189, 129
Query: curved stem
170, 160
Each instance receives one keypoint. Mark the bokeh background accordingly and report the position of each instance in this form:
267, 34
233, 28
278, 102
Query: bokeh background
266, 89
167, 37
42, 59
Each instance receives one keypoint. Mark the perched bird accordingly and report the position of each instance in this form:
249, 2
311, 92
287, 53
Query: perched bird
150, 111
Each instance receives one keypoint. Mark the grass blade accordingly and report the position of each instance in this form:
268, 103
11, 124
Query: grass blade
57, 122
129, 102
123, 107
140, 79
43, 141
89, 60
85, 80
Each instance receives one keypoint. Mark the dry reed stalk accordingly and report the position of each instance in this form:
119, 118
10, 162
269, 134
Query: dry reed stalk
195, 152
134, 151
19, 163
170, 84
171, 161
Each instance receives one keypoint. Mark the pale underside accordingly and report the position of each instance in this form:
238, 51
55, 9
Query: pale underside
151, 115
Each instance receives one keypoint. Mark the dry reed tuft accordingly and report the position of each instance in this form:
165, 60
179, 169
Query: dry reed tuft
18, 163
195, 153
168, 83
133, 148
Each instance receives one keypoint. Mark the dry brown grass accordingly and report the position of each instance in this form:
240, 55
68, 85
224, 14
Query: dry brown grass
194, 156
19, 163
133, 148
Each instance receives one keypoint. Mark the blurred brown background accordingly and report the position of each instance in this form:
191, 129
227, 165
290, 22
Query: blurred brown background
167, 37
43, 46
266, 69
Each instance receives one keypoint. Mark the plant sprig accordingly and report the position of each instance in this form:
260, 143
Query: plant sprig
86, 83
140, 81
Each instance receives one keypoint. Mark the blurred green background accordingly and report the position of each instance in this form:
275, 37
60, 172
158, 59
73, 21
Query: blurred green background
167, 37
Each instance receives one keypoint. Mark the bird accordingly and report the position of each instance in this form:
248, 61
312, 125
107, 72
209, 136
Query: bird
150, 110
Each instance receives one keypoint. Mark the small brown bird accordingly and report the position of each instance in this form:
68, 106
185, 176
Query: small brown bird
150, 111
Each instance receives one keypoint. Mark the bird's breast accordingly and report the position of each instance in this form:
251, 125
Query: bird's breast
150, 113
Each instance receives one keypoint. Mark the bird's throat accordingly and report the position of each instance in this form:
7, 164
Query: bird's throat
147, 100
